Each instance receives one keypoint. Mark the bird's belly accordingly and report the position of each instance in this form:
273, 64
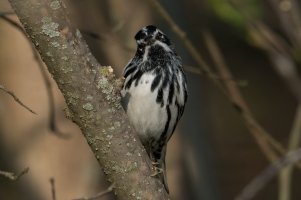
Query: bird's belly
145, 114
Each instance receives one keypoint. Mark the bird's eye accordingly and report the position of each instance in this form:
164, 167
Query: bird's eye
140, 35
159, 36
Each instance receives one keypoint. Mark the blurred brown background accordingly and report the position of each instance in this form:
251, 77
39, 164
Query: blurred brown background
212, 155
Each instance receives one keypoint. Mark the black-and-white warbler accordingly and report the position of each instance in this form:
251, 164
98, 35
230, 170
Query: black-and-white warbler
154, 93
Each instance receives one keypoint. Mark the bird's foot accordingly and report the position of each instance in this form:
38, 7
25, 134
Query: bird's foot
157, 170
155, 164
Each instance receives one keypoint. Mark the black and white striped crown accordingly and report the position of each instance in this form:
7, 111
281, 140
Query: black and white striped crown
149, 34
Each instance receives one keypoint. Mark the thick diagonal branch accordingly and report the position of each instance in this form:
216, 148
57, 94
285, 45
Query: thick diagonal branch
91, 96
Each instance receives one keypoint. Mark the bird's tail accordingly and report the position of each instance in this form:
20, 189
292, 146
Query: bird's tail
162, 175
159, 160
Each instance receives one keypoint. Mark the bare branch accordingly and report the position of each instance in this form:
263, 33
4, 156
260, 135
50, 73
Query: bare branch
100, 194
107, 37
290, 19
264, 177
52, 185
52, 117
16, 99
294, 141
280, 55
263, 138
12, 176
3, 15
196, 70
254, 128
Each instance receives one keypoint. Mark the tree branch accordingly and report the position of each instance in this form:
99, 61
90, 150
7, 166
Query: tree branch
237, 99
52, 117
52, 185
17, 99
12, 176
92, 98
285, 176
252, 188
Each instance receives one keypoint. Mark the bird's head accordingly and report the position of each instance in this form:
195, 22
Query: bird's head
149, 35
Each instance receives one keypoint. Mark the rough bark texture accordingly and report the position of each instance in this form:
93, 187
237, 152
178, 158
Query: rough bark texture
90, 94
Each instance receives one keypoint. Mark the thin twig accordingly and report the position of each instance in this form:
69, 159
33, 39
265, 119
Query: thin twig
198, 71
294, 142
281, 54
254, 128
106, 37
98, 195
3, 15
12, 176
52, 117
16, 99
290, 19
263, 138
52, 185
264, 177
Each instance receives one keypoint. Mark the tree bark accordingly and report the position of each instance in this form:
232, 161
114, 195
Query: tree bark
90, 92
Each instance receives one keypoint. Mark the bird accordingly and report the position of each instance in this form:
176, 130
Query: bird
154, 94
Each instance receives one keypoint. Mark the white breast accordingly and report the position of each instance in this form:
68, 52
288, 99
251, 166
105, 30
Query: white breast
147, 116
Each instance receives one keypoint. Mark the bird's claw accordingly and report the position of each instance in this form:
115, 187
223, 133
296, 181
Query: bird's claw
157, 171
